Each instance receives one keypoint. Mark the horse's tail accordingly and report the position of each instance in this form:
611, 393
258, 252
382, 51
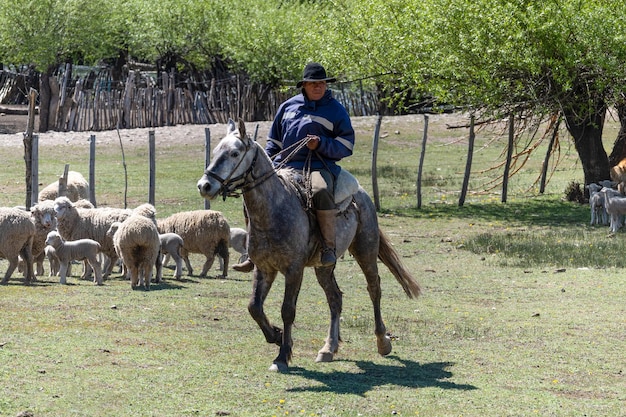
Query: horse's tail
388, 255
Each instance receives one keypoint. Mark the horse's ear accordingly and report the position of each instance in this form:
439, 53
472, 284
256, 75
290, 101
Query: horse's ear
230, 127
242, 128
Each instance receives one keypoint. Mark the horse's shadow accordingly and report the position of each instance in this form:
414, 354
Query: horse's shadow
408, 374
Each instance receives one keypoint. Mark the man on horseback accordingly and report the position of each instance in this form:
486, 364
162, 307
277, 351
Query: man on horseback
315, 118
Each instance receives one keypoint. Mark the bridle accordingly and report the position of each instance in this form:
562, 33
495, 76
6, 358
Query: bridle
247, 181
244, 182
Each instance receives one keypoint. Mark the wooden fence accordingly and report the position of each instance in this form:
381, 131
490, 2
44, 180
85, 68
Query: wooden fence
94, 102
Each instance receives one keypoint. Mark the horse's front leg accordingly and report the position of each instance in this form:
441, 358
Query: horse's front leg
262, 283
326, 279
293, 282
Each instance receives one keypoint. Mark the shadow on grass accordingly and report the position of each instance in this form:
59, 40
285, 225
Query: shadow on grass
539, 211
408, 374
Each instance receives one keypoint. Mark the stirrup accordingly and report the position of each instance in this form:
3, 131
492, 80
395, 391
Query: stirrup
328, 257
245, 266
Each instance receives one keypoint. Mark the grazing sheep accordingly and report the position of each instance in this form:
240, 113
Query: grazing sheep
75, 250
17, 232
171, 245
615, 205
137, 243
78, 223
77, 188
203, 231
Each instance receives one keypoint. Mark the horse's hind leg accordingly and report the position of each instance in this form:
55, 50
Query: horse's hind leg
326, 279
367, 262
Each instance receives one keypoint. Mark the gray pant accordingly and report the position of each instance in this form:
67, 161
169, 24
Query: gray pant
323, 189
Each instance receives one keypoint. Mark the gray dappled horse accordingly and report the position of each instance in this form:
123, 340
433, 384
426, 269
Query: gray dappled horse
284, 237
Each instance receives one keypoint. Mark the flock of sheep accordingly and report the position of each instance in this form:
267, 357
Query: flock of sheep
69, 228
607, 203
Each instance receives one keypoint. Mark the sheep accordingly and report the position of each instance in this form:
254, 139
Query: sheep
77, 188
137, 243
596, 203
17, 232
53, 260
43, 216
75, 250
615, 205
78, 223
171, 245
239, 242
203, 231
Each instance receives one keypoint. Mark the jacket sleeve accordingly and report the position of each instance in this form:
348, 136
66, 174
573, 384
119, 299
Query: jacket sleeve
274, 142
341, 144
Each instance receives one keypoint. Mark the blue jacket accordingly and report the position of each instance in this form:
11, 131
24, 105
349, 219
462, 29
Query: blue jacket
298, 117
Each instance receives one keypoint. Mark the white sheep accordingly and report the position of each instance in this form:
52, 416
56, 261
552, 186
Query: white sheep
239, 242
596, 204
79, 223
53, 261
171, 245
43, 216
75, 250
615, 205
137, 243
17, 232
203, 231
77, 188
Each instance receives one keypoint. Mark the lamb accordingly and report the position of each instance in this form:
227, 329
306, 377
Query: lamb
137, 243
615, 205
75, 250
78, 223
77, 188
55, 264
203, 231
171, 245
17, 232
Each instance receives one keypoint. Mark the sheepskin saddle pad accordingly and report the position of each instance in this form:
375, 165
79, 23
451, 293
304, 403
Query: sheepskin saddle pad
346, 185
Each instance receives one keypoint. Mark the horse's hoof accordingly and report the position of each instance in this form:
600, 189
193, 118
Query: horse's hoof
384, 345
278, 367
324, 357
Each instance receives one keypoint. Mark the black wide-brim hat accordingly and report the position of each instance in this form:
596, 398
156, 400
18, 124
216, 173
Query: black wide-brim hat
315, 72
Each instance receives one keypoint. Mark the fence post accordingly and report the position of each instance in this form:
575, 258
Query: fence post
468, 165
509, 154
421, 165
35, 171
92, 169
152, 156
379, 119
207, 158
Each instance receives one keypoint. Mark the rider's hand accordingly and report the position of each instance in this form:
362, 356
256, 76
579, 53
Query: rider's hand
312, 142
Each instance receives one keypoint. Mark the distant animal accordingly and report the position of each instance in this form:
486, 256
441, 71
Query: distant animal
618, 175
77, 188
75, 250
283, 237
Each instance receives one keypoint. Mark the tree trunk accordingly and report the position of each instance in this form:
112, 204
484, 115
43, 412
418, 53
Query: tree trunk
619, 146
586, 130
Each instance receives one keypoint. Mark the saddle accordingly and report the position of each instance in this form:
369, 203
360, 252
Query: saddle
346, 185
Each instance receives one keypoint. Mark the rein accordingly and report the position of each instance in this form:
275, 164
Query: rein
247, 181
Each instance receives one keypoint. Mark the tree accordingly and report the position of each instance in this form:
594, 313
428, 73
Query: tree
494, 57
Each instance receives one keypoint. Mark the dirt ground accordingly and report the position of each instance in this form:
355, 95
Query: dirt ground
13, 126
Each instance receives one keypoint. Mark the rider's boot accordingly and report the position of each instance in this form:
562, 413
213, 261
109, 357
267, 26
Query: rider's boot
326, 220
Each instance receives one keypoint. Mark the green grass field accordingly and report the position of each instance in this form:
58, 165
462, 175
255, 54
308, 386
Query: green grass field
523, 309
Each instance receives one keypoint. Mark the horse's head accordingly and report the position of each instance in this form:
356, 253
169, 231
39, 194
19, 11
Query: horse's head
232, 164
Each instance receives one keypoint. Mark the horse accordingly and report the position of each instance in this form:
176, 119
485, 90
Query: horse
284, 237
